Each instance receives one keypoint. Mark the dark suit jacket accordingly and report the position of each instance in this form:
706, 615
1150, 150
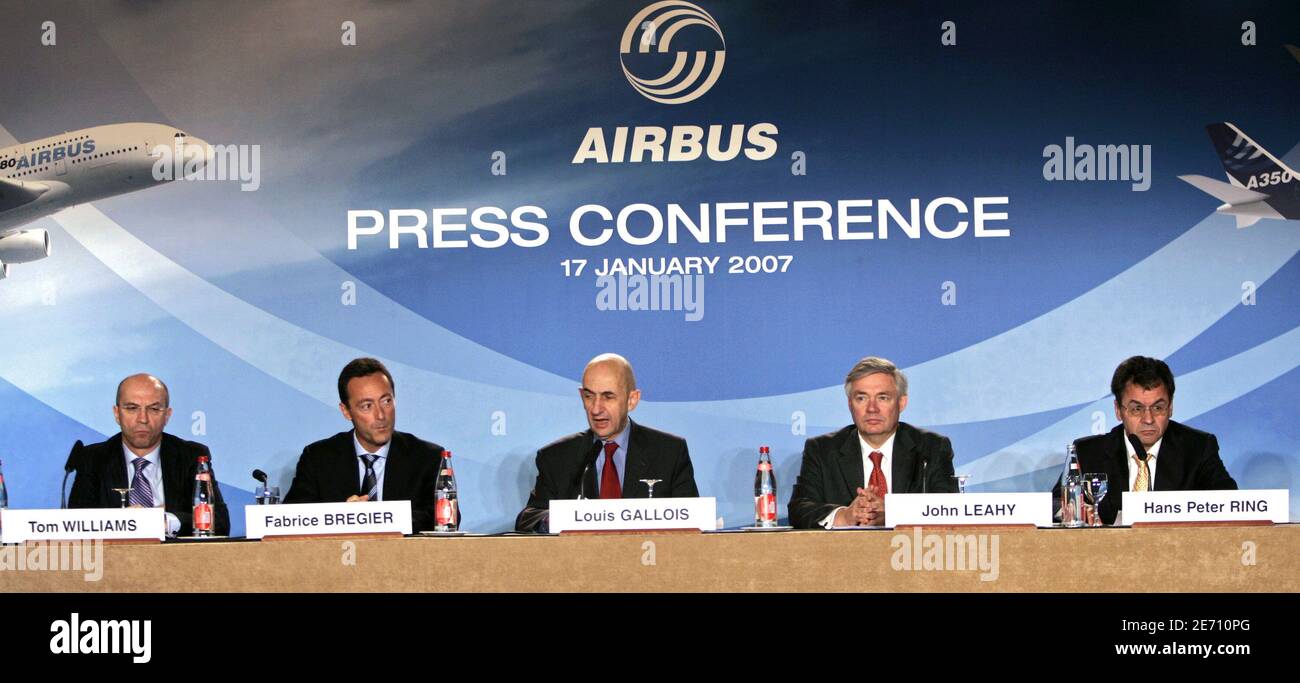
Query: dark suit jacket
831, 472
102, 468
651, 454
1188, 461
327, 473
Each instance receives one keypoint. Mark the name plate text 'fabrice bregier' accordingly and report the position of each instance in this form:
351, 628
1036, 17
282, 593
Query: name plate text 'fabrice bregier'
631, 514
322, 519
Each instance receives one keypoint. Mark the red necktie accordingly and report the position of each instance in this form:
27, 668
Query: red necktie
877, 482
609, 484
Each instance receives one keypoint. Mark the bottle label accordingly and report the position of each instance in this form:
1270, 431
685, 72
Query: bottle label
203, 476
764, 467
765, 507
203, 517
445, 512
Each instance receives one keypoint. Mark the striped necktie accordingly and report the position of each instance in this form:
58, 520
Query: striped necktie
370, 483
1143, 480
141, 489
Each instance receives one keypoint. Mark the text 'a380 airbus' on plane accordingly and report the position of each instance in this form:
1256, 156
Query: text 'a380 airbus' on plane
39, 178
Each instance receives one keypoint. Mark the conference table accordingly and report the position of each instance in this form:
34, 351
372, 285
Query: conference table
1175, 559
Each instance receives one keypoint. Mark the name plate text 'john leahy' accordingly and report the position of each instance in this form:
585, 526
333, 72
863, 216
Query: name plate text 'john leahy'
928, 509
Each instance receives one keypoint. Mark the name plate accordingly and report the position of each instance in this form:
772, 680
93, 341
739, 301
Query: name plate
321, 519
956, 509
83, 524
1259, 505
630, 514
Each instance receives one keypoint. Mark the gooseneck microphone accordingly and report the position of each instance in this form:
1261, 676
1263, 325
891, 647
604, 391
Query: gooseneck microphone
260, 476
587, 464
73, 464
1142, 456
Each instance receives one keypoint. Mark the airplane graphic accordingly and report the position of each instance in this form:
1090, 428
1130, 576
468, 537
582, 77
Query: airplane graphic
1260, 185
42, 177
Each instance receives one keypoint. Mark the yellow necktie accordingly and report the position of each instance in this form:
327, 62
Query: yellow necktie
1142, 483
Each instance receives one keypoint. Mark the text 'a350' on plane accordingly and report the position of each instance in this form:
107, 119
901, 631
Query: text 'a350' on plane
42, 177
1259, 184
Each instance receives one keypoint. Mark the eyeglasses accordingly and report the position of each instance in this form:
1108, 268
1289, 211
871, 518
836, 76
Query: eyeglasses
1138, 410
153, 411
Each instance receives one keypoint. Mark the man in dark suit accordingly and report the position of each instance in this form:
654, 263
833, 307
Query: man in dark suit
158, 468
372, 461
846, 475
609, 459
1168, 456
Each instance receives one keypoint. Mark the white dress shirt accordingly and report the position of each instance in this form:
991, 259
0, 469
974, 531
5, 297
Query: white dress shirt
887, 450
1153, 451
378, 467
153, 474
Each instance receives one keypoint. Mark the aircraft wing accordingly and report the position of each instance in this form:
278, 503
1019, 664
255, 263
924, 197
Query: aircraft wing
1222, 191
14, 194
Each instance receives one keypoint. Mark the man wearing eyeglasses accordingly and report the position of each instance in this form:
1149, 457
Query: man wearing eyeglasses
154, 469
1173, 457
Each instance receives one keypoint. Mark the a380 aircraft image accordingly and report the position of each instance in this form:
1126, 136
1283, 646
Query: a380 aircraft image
42, 177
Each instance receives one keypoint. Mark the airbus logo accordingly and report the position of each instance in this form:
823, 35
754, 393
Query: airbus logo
650, 33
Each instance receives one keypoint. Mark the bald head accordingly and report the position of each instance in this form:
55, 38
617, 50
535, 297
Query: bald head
616, 363
142, 411
143, 382
608, 394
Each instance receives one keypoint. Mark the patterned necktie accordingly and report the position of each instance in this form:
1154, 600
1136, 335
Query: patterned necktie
1143, 480
141, 489
877, 481
370, 483
609, 483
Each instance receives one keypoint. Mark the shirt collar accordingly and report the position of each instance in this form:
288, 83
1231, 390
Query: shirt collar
621, 437
887, 448
360, 450
1153, 451
151, 456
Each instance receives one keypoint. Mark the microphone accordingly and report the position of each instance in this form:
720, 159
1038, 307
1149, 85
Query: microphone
73, 464
260, 476
1138, 447
588, 463
925, 465
1141, 454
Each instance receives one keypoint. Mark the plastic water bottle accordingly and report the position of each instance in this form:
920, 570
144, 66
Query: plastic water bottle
444, 493
1071, 490
203, 498
764, 490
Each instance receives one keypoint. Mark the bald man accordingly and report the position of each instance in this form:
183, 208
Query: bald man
613, 455
158, 468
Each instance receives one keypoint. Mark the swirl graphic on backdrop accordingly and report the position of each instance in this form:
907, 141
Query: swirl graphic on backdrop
652, 31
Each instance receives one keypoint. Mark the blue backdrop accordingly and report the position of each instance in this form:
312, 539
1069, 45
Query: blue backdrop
248, 303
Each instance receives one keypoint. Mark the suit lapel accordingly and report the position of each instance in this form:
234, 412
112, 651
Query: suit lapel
905, 462
348, 469
396, 472
1118, 463
635, 464
851, 462
1169, 464
117, 477
168, 460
